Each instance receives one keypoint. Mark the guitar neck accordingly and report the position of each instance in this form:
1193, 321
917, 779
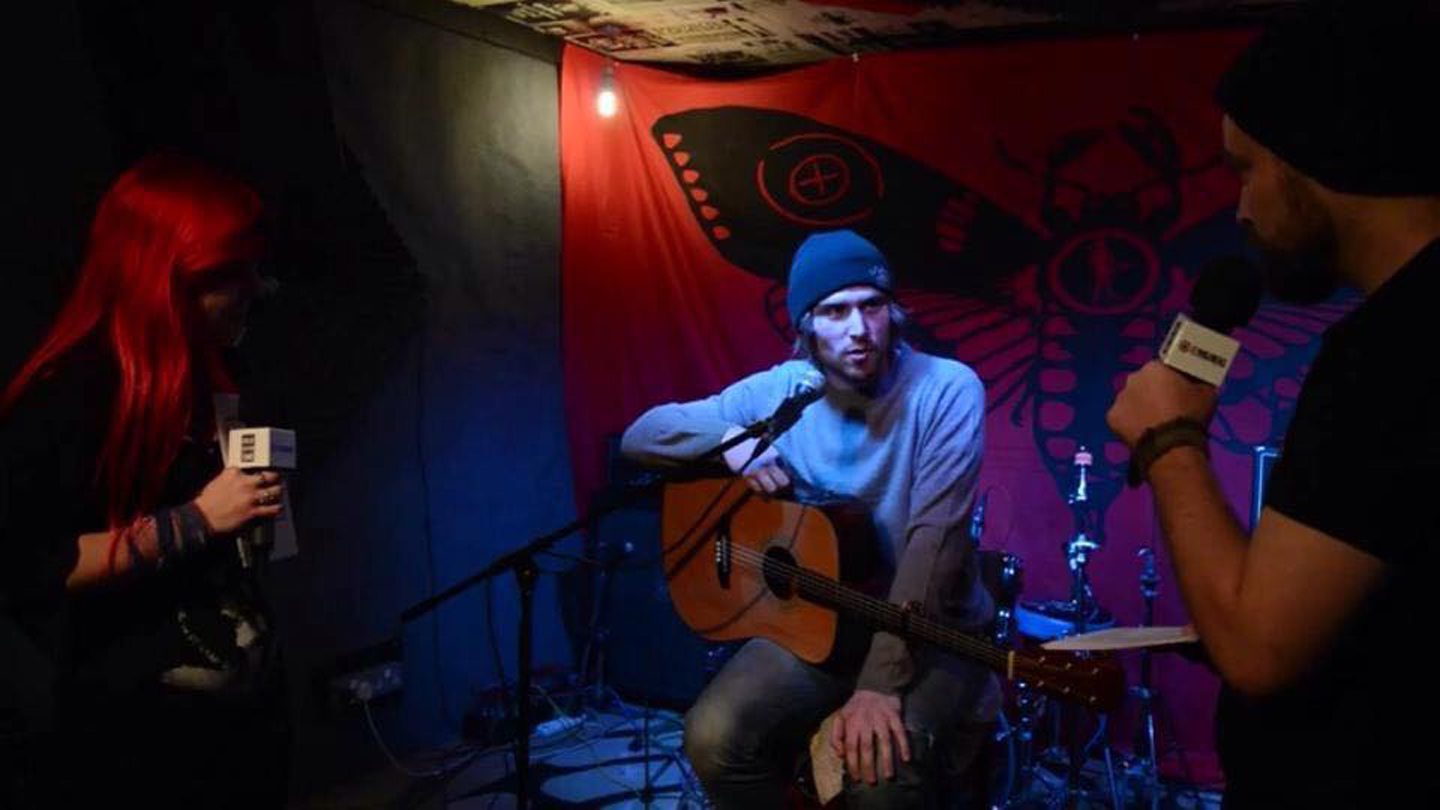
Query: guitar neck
716, 518
881, 615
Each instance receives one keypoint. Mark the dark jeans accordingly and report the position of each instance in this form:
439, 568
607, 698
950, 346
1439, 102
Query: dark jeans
745, 733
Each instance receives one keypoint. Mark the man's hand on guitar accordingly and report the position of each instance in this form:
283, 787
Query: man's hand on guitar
863, 731
764, 474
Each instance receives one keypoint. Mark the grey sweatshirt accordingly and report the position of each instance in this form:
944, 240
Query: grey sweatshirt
910, 452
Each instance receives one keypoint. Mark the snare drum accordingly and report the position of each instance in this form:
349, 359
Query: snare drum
1047, 621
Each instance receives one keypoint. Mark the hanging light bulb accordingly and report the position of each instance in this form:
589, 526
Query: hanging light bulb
606, 101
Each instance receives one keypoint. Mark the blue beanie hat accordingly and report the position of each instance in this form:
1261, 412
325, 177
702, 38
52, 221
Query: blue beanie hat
830, 261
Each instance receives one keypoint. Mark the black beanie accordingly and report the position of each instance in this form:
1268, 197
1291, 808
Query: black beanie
1345, 94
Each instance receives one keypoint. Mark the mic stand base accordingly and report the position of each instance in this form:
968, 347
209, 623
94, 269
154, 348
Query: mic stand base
522, 562
525, 575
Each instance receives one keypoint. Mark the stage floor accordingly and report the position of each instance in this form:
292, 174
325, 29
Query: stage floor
600, 760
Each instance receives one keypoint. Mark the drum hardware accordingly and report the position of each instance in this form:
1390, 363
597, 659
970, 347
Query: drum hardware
1043, 621
1143, 765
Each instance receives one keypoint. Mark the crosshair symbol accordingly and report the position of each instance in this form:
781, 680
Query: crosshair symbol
1104, 272
819, 180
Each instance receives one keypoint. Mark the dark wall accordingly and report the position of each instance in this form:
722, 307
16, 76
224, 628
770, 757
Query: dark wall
59, 158
462, 454
407, 156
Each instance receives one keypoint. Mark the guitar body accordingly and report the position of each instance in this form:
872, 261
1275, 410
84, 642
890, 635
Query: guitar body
723, 602
741, 565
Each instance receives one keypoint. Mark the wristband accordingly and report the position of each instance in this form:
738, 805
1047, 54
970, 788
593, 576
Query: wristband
1161, 439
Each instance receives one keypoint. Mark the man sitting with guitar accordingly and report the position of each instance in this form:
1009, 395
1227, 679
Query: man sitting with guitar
900, 432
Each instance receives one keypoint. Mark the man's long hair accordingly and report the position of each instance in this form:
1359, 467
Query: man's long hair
162, 226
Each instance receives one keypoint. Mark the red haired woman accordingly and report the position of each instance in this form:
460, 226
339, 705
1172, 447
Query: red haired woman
120, 592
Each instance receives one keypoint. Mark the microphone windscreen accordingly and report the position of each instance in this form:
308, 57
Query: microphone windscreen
1227, 294
810, 381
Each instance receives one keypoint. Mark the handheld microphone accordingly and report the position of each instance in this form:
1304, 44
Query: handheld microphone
256, 450
1224, 297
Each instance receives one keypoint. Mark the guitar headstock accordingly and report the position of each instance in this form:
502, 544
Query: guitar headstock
1093, 680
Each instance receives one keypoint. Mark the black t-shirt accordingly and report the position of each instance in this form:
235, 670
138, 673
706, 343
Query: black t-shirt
1362, 464
116, 640
48, 442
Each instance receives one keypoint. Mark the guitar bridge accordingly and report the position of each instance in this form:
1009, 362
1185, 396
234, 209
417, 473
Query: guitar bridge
722, 554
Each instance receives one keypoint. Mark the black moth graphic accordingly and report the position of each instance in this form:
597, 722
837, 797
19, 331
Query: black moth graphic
1052, 318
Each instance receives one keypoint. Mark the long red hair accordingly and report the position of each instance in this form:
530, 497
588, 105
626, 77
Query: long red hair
162, 226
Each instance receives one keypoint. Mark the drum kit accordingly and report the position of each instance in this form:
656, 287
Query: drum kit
1077, 766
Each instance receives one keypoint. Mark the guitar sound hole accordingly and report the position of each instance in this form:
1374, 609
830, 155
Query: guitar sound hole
779, 572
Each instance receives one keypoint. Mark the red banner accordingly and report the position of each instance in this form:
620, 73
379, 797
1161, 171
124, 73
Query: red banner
1045, 205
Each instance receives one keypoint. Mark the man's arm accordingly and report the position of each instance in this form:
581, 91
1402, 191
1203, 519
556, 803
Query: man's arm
1265, 609
943, 484
947, 469
670, 434
676, 432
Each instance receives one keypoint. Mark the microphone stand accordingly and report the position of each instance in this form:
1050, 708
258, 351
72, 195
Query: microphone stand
521, 562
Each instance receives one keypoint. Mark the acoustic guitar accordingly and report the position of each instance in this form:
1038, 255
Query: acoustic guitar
740, 565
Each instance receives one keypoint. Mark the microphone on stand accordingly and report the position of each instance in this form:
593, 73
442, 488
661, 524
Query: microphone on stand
256, 450
809, 389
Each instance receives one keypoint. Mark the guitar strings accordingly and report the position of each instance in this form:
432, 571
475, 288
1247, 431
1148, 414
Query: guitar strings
882, 613
887, 615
